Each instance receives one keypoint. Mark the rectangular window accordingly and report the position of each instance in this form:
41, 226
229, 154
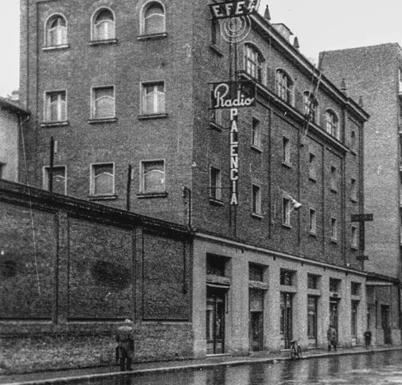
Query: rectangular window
256, 272
334, 285
102, 179
215, 32
353, 190
353, 241
334, 179
2, 168
353, 140
153, 177
217, 117
312, 281
312, 306
286, 151
355, 288
153, 98
287, 277
256, 133
286, 207
354, 311
334, 229
216, 265
312, 169
55, 106
103, 102
215, 187
256, 199
313, 222
59, 184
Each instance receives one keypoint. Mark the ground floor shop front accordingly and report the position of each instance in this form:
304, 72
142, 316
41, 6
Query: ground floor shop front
248, 299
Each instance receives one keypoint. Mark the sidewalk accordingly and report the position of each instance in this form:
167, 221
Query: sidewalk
80, 375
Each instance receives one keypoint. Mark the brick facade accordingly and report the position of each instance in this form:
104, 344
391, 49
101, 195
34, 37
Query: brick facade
71, 270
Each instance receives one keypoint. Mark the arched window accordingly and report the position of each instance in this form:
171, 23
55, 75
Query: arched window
310, 106
103, 27
56, 31
253, 62
284, 86
153, 18
332, 124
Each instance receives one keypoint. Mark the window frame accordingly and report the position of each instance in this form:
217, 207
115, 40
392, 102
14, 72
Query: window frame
217, 196
93, 104
142, 93
284, 91
334, 229
93, 36
92, 179
334, 179
45, 106
45, 177
256, 205
144, 8
309, 100
332, 125
353, 190
312, 221
142, 175
255, 63
354, 237
312, 169
286, 153
46, 31
286, 211
256, 133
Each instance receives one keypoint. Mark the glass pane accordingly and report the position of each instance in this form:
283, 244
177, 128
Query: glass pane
154, 177
103, 184
154, 19
104, 103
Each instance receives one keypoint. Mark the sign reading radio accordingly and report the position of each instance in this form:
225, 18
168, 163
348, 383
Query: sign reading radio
236, 8
233, 95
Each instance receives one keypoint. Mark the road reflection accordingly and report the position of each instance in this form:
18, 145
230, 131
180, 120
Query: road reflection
362, 369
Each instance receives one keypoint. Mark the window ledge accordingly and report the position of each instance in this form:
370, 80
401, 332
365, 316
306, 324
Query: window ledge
215, 126
55, 124
103, 42
152, 116
216, 202
256, 148
287, 164
102, 120
257, 216
56, 47
334, 240
312, 234
354, 200
152, 195
354, 248
335, 191
216, 49
152, 36
111, 197
286, 226
313, 179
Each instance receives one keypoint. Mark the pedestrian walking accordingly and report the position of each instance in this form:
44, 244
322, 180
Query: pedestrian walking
125, 345
332, 338
367, 338
295, 350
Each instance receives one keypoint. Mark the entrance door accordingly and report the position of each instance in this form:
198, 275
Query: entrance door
256, 332
333, 314
286, 318
215, 321
386, 324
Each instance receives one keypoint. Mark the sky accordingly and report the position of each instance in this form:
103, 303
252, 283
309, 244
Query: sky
319, 25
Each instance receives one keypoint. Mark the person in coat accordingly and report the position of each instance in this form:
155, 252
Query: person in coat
332, 338
125, 346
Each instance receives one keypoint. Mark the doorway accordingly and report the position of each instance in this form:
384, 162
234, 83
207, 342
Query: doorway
386, 324
286, 318
333, 314
215, 322
256, 319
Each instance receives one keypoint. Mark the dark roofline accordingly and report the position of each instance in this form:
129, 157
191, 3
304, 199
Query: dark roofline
380, 277
33, 197
12, 106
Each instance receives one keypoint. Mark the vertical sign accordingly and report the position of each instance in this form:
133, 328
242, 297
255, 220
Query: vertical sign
234, 156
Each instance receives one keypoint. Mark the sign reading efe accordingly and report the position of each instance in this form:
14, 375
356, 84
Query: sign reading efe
233, 94
234, 8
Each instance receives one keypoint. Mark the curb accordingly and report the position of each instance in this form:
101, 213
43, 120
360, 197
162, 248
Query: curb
267, 360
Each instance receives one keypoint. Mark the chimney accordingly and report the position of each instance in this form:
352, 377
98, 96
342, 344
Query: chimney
296, 43
267, 15
283, 30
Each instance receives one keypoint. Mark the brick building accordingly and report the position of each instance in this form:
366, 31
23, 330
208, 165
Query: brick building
119, 85
374, 74
11, 118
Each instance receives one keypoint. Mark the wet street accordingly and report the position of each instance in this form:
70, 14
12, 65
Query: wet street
362, 369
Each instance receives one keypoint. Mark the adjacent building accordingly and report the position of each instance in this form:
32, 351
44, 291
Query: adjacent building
373, 74
124, 91
11, 118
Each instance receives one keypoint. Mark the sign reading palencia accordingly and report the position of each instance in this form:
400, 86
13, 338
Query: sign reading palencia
236, 8
234, 156
232, 94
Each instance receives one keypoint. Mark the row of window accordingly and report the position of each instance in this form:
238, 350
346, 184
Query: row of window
102, 178
103, 24
285, 89
103, 101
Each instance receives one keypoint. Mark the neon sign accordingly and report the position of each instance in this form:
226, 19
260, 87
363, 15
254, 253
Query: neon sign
234, 156
233, 94
236, 8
